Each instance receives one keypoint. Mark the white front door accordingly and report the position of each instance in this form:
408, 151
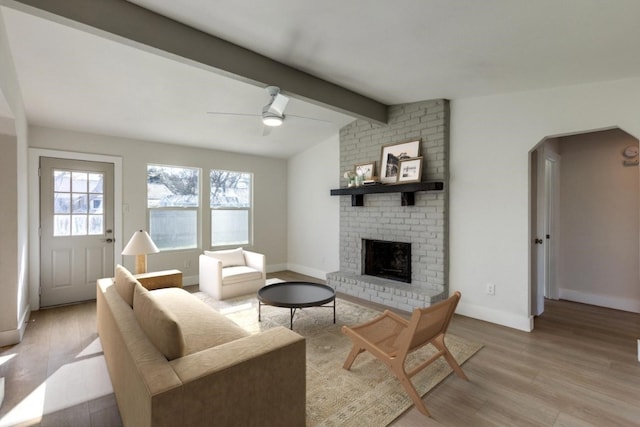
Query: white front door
76, 229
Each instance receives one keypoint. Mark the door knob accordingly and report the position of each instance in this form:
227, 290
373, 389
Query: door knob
110, 240
538, 241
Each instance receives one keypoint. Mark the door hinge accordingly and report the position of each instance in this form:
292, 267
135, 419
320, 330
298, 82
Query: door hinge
39, 172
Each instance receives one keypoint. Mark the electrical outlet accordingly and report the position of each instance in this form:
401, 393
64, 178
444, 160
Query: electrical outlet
491, 289
187, 264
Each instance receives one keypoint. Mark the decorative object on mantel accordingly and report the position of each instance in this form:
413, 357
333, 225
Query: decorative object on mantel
410, 170
391, 156
366, 170
351, 178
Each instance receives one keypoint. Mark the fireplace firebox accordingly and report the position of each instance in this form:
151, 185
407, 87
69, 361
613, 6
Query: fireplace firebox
389, 260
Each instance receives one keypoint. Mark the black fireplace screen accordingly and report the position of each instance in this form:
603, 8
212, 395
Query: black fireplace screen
390, 260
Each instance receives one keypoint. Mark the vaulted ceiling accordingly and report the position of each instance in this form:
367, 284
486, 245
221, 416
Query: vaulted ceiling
337, 60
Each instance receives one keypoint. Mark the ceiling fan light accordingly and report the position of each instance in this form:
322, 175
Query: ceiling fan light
272, 120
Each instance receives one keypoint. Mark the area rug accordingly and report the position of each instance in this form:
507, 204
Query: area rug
368, 394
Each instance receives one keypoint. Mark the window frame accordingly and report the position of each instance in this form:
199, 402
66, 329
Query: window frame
248, 209
196, 209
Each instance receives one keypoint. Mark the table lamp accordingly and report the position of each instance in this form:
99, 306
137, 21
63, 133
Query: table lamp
140, 245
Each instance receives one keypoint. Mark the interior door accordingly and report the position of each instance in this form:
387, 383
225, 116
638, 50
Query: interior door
550, 227
545, 190
76, 229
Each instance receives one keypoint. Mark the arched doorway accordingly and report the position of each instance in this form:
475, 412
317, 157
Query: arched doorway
584, 224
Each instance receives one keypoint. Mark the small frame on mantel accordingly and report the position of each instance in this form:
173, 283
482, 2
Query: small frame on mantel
410, 170
367, 170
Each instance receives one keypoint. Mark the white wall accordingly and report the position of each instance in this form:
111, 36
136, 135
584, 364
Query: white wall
489, 179
269, 199
314, 215
599, 221
14, 307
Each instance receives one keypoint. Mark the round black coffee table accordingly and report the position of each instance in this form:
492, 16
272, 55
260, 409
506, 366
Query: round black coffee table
295, 295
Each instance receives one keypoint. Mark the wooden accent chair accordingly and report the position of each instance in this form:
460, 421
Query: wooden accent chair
390, 338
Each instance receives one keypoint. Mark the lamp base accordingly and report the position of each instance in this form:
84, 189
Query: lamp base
141, 264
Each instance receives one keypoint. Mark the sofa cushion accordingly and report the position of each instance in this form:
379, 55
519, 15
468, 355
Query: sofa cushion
202, 326
229, 258
125, 284
158, 323
232, 275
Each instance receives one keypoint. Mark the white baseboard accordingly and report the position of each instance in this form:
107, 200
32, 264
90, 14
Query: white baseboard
511, 320
190, 280
307, 271
625, 304
276, 267
14, 336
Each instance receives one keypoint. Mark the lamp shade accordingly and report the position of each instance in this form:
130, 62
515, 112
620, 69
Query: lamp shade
140, 244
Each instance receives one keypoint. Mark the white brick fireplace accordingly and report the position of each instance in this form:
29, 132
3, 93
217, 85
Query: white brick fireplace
424, 225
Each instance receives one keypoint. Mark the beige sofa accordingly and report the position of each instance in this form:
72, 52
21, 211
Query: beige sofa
173, 360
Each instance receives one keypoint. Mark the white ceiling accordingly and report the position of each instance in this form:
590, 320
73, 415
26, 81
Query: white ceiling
393, 52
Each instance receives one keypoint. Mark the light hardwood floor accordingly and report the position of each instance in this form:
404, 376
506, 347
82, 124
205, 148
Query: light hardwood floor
577, 368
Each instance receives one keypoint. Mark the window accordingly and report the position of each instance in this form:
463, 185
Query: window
230, 204
172, 200
77, 199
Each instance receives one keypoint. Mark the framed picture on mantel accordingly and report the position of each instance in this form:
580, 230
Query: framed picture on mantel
391, 156
410, 170
366, 170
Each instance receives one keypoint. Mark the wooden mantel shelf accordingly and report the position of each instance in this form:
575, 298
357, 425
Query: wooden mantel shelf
407, 191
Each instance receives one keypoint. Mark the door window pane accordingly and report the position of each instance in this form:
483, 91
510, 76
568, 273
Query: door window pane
95, 203
96, 183
62, 181
79, 225
79, 182
79, 203
96, 224
79, 194
61, 225
61, 203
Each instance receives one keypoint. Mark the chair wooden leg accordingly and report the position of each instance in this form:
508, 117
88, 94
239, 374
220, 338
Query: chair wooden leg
399, 372
439, 344
355, 351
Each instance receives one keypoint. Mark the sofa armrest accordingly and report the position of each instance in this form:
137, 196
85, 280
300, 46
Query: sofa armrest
256, 380
210, 276
160, 279
256, 260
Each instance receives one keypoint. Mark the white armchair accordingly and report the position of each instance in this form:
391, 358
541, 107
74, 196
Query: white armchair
230, 273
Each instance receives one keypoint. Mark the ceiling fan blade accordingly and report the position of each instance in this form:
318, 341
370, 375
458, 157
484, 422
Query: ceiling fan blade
278, 104
233, 114
308, 118
266, 130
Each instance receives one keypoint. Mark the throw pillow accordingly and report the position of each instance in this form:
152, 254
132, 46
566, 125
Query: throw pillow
229, 258
125, 283
158, 323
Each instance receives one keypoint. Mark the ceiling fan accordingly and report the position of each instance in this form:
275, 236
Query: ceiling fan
272, 113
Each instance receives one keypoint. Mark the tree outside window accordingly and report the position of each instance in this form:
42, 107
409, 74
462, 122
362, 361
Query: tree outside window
230, 203
173, 202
